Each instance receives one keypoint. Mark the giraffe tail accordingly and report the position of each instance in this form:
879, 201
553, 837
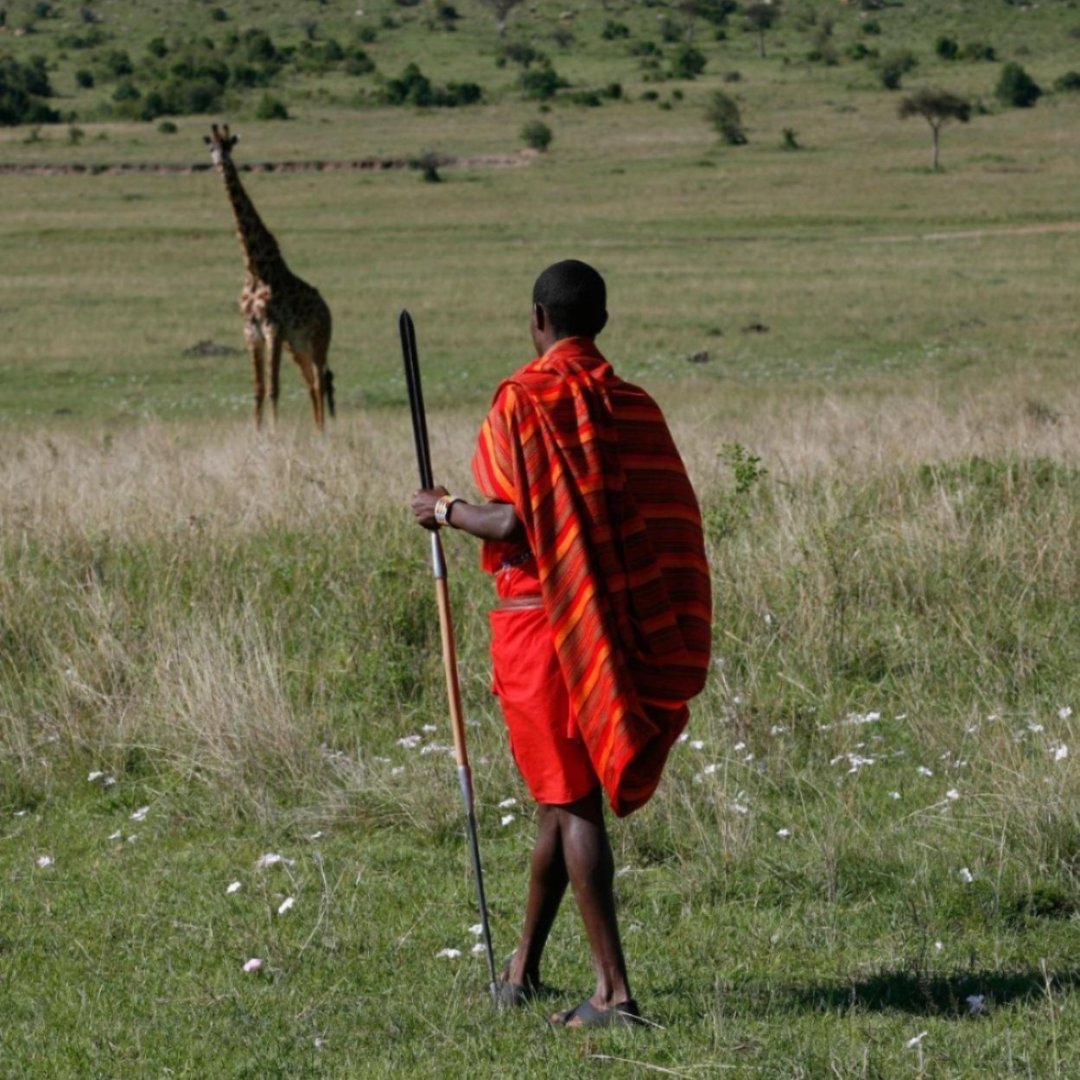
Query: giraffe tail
328, 390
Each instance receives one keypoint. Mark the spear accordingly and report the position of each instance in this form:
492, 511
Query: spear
446, 630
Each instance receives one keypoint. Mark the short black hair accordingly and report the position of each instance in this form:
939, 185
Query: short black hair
575, 298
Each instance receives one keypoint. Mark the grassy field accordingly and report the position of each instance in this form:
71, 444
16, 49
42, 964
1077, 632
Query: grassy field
864, 860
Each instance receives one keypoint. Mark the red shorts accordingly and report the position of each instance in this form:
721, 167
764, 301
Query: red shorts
544, 738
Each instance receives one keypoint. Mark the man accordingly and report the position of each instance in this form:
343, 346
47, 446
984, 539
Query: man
602, 631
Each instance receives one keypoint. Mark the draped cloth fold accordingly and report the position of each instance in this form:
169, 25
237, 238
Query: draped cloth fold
593, 473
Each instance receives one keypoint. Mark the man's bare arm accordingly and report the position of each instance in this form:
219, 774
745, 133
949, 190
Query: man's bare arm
488, 521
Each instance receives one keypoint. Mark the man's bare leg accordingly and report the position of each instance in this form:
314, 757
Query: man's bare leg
547, 884
591, 868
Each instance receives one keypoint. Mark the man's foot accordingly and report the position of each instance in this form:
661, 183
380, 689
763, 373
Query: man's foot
625, 1014
510, 995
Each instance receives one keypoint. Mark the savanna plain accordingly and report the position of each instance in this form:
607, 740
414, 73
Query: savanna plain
223, 732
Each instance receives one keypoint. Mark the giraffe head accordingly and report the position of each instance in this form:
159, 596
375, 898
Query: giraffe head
221, 143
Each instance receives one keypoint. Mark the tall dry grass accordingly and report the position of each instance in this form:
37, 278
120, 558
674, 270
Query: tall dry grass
250, 616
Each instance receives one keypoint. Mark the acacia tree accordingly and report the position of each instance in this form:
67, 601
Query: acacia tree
501, 9
760, 17
937, 108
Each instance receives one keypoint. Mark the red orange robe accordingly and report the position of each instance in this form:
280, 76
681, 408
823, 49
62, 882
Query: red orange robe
591, 469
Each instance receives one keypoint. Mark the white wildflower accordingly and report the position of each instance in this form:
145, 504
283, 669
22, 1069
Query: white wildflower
447, 954
1035, 728
506, 819
507, 803
118, 835
429, 728
777, 729
922, 770
697, 744
140, 814
45, 860
939, 945
783, 833
286, 904
952, 795
410, 742
234, 886
272, 858
479, 949
397, 770
1061, 752
253, 964
476, 929
1064, 712
894, 795
740, 808
917, 1039
97, 774
966, 875
975, 1003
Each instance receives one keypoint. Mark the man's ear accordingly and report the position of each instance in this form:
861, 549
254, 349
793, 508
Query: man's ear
539, 316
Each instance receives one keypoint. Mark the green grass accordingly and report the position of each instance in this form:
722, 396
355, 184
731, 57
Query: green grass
239, 629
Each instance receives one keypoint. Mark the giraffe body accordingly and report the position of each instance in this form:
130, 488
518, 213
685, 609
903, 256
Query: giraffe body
279, 309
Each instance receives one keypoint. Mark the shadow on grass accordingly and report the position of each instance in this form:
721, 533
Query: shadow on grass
934, 995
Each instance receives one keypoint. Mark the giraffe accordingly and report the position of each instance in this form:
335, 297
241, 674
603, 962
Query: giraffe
278, 308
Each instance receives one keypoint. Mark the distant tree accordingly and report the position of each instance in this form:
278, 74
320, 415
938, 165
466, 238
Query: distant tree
723, 113
937, 108
1016, 88
687, 63
711, 11
1068, 83
501, 9
760, 17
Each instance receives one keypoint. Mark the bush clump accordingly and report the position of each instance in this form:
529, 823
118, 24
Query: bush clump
1068, 83
723, 114
413, 87
892, 68
541, 83
687, 62
537, 135
1016, 88
271, 108
23, 86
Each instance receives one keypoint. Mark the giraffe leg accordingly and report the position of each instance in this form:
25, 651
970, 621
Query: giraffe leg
325, 378
275, 374
258, 364
314, 384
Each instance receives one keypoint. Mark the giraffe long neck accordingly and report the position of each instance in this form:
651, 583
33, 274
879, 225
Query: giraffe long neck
262, 256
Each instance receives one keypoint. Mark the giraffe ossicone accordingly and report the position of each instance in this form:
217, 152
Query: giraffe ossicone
279, 309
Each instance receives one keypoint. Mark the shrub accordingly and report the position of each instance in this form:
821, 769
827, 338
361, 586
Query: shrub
790, 141
537, 135
358, 63
978, 50
366, 35
687, 63
1068, 83
518, 52
84, 79
219, 15
614, 30
413, 87
562, 37
645, 48
127, 91
540, 84
723, 113
871, 27
428, 164
894, 66
1016, 88
947, 47
670, 30
118, 64
167, 127
271, 108
157, 47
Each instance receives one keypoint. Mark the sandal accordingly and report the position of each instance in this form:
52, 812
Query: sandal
626, 1014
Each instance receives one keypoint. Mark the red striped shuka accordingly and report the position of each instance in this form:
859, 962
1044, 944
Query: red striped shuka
591, 469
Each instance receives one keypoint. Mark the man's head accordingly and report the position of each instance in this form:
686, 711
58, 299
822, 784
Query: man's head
569, 300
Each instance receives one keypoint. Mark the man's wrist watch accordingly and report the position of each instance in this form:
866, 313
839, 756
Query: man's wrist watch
442, 508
